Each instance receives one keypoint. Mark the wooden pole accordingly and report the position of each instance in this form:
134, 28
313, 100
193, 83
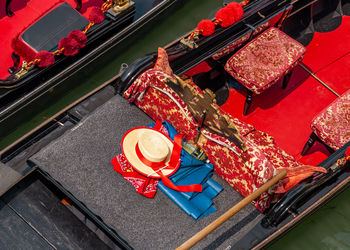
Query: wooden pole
232, 211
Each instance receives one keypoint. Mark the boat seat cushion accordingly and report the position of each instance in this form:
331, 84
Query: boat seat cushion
46, 32
261, 160
80, 161
264, 60
332, 125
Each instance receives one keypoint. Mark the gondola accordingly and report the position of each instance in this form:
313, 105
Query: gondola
34, 35
71, 152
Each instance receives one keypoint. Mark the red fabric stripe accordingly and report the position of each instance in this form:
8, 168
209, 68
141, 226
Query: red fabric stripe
175, 159
188, 188
154, 165
158, 125
176, 154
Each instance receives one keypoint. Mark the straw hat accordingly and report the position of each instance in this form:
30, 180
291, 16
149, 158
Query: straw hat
148, 150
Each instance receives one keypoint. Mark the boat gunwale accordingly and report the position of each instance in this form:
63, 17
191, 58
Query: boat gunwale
92, 216
95, 90
273, 236
304, 214
91, 56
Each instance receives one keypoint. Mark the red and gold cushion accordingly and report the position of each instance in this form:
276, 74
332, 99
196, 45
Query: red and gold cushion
246, 172
231, 47
332, 125
263, 61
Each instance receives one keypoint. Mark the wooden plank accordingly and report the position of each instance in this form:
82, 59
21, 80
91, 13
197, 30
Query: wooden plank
16, 234
40, 208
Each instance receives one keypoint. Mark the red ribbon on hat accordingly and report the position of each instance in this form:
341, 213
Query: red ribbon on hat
175, 160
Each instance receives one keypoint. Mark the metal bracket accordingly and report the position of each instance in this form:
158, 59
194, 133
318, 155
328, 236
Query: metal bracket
120, 6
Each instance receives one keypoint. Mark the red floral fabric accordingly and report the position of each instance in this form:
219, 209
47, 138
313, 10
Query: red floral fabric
263, 61
231, 47
245, 171
332, 125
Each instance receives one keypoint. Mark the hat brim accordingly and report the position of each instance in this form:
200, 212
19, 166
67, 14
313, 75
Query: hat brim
128, 146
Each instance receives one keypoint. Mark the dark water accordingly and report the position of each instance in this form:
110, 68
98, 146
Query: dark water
329, 228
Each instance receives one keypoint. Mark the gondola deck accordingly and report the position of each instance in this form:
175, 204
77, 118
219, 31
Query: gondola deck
143, 223
286, 114
74, 151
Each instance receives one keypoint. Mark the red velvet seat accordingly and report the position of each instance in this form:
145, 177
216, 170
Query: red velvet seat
265, 60
332, 125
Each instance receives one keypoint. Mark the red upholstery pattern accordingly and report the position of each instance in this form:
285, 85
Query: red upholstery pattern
263, 61
332, 125
246, 171
231, 47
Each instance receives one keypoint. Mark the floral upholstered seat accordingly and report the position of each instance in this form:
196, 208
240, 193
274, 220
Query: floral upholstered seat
332, 125
264, 60
262, 159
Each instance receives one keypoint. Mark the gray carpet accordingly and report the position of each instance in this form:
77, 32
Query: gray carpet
8, 177
80, 161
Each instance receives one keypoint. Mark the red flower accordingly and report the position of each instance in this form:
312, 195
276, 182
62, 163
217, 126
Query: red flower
46, 59
96, 15
236, 9
71, 46
78, 36
225, 16
206, 27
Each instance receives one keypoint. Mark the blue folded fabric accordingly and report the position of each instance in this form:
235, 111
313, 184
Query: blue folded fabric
192, 171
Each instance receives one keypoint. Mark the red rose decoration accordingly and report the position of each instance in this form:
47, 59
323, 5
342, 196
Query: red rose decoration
78, 36
347, 152
46, 59
225, 16
96, 15
71, 46
236, 9
206, 27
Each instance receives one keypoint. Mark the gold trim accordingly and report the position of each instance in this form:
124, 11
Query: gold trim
189, 43
24, 69
121, 5
261, 15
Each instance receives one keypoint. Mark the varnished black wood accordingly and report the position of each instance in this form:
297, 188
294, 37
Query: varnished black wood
9, 12
16, 60
248, 101
79, 5
313, 137
286, 79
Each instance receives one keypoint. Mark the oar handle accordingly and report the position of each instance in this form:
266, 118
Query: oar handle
232, 211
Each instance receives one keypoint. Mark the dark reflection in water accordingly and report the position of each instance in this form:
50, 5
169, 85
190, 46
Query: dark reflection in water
143, 6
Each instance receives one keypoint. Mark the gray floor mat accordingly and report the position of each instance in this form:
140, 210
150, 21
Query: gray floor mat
8, 177
80, 161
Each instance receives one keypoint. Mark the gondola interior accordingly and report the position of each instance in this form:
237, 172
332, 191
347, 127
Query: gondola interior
76, 155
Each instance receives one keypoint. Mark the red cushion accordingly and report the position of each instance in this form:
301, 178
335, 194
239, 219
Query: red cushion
264, 60
332, 125
246, 173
